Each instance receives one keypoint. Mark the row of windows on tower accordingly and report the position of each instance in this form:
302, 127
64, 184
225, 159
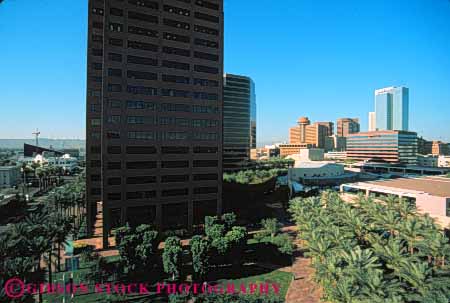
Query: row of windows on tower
164, 193
163, 107
143, 165
163, 121
118, 12
164, 135
154, 179
150, 150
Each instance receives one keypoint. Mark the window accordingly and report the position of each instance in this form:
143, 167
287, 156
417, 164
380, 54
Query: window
173, 121
143, 46
177, 24
206, 163
97, 38
140, 120
113, 135
145, 3
206, 177
176, 79
96, 108
174, 135
97, 52
146, 136
176, 37
114, 150
114, 165
204, 123
95, 135
142, 90
206, 96
115, 181
96, 178
94, 93
207, 4
174, 178
176, 65
96, 79
96, 122
113, 103
140, 105
170, 107
114, 196
96, 163
207, 17
142, 31
175, 192
115, 57
98, 25
205, 136
115, 27
174, 150
204, 109
206, 82
114, 88
177, 10
206, 69
141, 180
96, 149
176, 51
207, 43
142, 17
141, 75
175, 93
115, 42
206, 56
206, 30
97, 66
114, 72
205, 190
141, 165
96, 191
97, 11
142, 60
141, 150
114, 119
175, 164
136, 195
116, 12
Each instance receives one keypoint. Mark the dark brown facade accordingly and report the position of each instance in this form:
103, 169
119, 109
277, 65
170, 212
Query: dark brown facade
154, 111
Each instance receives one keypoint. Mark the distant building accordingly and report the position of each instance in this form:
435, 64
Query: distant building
66, 162
392, 108
307, 155
9, 176
430, 194
335, 155
372, 122
383, 146
347, 126
291, 149
318, 174
329, 126
269, 151
444, 161
297, 134
33, 150
316, 134
437, 148
335, 143
427, 160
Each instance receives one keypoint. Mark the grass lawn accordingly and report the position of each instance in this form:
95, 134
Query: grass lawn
283, 279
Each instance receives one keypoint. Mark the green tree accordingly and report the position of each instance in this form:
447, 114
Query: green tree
172, 255
200, 250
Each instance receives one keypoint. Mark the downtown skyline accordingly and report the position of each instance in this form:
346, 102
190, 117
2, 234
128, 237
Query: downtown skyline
329, 70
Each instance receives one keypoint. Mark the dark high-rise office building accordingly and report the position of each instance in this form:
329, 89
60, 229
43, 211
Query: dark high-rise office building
347, 126
154, 111
239, 121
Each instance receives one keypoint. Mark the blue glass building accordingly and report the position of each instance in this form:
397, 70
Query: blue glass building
392, 108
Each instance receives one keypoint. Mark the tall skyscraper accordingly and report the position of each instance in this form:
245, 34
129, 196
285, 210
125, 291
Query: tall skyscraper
329, 127
316, 134
239, 121
372, 122
392, 108
347, 126
154, 112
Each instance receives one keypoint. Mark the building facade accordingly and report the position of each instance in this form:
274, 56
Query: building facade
297, 134
383, 146
9, 176
154, 111
372, 122
392, 108
347, 126
316, 134
239, 124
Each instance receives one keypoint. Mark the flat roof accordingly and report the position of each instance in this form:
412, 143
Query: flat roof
435, 186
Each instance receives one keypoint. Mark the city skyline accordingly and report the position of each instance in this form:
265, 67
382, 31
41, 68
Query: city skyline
316, 57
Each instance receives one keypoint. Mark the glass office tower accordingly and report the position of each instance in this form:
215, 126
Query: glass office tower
392, 108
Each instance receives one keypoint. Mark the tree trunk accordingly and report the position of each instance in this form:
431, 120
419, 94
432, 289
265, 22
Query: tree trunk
59, 257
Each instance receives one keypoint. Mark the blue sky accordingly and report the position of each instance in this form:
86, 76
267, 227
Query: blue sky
315, 58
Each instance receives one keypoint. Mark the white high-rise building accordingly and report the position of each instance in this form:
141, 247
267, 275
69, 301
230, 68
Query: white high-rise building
372, 122
392, 108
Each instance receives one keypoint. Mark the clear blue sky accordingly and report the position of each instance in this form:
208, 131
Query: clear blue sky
315, 58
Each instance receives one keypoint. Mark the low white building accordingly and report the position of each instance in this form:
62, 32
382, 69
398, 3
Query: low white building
66, 162
315, 170
336, 155
307, 155
444, 161
9, 176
